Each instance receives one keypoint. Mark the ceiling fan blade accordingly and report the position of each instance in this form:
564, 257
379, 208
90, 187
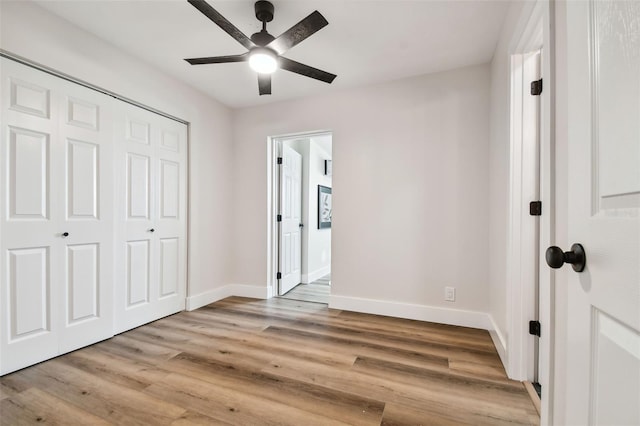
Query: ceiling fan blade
300, 31
306, 70
218, 59
222, 22
264, 84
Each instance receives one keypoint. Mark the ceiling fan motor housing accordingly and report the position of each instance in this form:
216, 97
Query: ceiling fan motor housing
262, 38
264, 11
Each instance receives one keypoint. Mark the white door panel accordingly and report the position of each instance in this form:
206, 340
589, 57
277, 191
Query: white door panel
29, 289
170, 266
83, 282
83, 184
85, 212
603, 353
29, 176
138, 267
151, 222
29, 165
138, 187
169, 189
57, 173
30, 274
291, 211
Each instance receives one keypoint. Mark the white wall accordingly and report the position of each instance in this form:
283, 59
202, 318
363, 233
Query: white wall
31, 32
319, 240
411, 205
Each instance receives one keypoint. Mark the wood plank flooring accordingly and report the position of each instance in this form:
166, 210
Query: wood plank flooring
317, 291
260, 362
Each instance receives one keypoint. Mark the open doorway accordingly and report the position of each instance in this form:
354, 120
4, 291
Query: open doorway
302, 188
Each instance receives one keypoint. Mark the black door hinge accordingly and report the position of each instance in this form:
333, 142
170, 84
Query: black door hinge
279, 160
536, 87
535, 208
279, 218
534, 328
279, 275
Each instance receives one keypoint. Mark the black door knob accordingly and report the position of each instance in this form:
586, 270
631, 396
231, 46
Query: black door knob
300, 225
152, 230
65, 234
576, 257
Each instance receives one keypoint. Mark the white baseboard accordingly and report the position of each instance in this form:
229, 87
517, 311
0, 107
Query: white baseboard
318, 273
499, 342
463, 318
241, 290
449, 316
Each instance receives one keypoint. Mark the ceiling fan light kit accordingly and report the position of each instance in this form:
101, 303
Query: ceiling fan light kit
265, 51
263, 60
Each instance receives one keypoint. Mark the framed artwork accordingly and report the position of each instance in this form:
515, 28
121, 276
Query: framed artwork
324, 207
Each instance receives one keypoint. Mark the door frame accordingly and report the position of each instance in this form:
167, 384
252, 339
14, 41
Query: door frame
274, 144
534, 31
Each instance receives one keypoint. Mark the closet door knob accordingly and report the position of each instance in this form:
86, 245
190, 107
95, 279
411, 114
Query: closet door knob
65, 234
152, 230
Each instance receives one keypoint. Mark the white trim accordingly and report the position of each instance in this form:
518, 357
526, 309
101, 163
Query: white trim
28, 62
318, 273
240, 290
459, 317
535, 30
498, 341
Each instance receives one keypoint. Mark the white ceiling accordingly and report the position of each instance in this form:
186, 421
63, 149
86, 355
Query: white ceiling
366, 42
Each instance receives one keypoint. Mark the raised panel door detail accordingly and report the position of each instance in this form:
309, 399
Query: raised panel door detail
615, 344
83, 285
29, 292
170, 140
138, 131
82, 179
29, 98
169, 189
138, 181
138, 269
28, 174
169, 264
616, 105
82, 114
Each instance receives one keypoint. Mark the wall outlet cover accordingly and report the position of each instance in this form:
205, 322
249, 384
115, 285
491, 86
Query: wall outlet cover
450, 294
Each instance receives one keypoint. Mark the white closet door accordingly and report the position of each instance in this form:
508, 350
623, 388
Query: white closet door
151, 222
85, 208
55, 174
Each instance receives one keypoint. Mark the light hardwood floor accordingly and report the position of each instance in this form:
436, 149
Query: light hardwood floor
257, 362
317, 291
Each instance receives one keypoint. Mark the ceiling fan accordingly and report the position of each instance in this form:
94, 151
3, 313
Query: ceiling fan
265, 51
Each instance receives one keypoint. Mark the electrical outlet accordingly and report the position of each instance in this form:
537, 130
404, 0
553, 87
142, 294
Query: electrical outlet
450, 294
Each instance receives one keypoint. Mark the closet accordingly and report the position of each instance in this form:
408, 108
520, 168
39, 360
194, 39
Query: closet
92, 216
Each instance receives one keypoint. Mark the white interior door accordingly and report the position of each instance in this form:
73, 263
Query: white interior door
291, 225
603, 350
56, 217
151, 219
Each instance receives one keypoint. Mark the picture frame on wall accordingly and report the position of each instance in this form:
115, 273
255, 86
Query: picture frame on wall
324, 207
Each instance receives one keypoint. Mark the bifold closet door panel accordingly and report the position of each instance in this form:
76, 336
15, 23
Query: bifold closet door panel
86, 210
151, 217
56, 242
30, 235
